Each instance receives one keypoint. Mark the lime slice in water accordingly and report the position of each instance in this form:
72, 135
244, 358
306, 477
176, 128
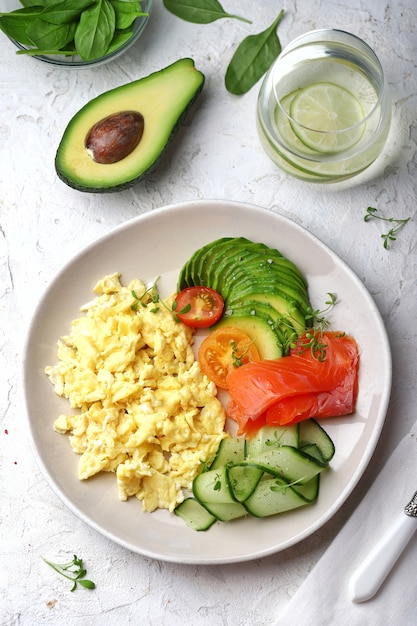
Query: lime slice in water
327, 118
284, 126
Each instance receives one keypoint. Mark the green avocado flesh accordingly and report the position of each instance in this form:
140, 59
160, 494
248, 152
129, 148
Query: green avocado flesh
161, 100
265, 294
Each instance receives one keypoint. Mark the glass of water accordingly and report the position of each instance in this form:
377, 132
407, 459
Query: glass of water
324, 108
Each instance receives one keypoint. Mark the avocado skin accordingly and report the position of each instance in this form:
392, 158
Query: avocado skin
188, 84
265, 294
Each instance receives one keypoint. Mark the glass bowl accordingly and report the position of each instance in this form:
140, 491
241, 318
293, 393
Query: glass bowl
75, 61
324, 108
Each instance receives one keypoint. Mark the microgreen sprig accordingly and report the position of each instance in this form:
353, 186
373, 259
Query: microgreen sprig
142, 300
182, 311
276, 442
277, 486
217, 485
237, 357
151, 296
315, 344
74, 571
318, 322
317, 318
205, 465
391, 234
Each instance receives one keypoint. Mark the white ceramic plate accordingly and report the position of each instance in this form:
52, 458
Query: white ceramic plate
158, 244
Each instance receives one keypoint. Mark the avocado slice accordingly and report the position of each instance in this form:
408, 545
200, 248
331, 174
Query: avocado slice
203, 266
224, 265
290, 310
259, 326
282, 325
265, 294
269, 283
201, 263
119, 136
212, 261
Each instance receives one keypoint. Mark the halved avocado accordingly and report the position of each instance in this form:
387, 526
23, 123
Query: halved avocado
119, 136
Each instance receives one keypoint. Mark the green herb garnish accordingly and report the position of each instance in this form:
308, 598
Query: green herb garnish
151, 296
317, 318
314, 341
277, 486
237, 357
183, 311
391, 234
74, 571
276, 443
143, 300
217, 485
205, 465
318, 322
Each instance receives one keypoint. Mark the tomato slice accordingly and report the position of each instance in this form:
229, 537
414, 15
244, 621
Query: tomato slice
199, 307
223, 351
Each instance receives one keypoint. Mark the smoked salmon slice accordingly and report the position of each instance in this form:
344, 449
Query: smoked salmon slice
296, 387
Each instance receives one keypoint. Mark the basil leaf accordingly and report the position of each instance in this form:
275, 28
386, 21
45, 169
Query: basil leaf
65, 11
16, 23
126, 13
95, 30
34, 3
119, 39
50, 36
199, 11
252, 58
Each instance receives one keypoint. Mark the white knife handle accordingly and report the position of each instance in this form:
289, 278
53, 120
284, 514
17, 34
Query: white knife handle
372, 572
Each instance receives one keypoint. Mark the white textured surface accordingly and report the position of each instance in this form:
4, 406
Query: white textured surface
43, 224
324, 598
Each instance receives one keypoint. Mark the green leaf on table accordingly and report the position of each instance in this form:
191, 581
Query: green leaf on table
95, 30
252, 58
199, 11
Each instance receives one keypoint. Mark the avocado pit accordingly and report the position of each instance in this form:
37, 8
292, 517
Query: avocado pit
114, 137
92, 159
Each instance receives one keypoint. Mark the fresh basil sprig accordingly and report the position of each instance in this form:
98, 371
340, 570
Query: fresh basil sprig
199, 11
89, 28
252, 58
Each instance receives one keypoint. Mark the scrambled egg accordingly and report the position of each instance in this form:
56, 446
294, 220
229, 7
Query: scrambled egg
147, 412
